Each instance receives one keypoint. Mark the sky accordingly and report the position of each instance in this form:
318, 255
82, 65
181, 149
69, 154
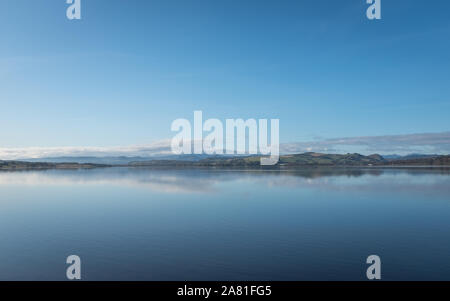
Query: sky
117, 78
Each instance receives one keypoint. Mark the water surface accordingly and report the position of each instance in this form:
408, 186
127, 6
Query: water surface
149, 224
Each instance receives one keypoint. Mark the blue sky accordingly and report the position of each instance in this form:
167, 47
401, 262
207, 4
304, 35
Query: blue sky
124, 72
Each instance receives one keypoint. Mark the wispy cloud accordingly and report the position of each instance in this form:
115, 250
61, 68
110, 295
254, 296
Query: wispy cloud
402, 144
436, 143
158, 148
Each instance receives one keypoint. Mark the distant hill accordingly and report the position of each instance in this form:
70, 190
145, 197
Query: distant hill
314, 159
331, 159
119, 160
408, 157
430, 161
89, 160
295, 160
306, 159
19, 165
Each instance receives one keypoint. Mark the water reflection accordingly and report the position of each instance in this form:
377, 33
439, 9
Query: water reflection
209, 180
211, 224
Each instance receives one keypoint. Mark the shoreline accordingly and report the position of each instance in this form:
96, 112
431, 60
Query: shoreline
85, 166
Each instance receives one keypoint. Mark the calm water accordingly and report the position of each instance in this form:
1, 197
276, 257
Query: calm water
143, 224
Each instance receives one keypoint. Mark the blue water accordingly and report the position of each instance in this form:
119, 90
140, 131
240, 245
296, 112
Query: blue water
144, 224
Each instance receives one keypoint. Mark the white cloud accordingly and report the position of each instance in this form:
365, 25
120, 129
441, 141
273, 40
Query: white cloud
157, 148
438, 143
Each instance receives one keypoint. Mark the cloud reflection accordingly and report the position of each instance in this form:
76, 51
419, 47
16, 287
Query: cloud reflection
182, 181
